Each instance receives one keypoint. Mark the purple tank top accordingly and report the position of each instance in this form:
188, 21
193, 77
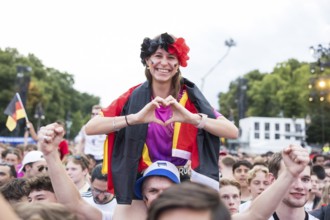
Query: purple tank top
159, 138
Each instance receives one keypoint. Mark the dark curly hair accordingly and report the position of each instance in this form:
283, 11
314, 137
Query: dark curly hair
149, 46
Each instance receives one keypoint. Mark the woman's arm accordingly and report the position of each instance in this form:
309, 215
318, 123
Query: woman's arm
220, 127
106, 125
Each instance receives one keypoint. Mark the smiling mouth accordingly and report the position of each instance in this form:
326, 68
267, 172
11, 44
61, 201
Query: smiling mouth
297, 195
163, 70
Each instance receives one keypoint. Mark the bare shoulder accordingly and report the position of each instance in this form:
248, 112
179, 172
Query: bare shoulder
240, 216
137, 211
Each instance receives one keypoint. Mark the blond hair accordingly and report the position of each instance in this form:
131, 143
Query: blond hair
252, 173
325, 195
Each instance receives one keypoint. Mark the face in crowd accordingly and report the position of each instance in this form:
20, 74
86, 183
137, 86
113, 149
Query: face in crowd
230, 195
260, 181
315, 182
297, 196
327, 177
77, 169
95, 112
153, 186
7, 172
40, 189
240, 174
12, 158
319, 160
41, 196
35, 169
100, 193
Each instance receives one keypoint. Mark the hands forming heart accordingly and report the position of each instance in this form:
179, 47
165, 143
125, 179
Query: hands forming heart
152, 112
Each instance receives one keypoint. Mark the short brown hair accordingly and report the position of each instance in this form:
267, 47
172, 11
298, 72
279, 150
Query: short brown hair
228, 161
79, 159
30, 147
43, 211
230, 182
38, 183
189, 195
14, 151
274, 163
14, 191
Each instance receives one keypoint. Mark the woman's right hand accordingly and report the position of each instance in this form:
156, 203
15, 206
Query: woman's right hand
147, 114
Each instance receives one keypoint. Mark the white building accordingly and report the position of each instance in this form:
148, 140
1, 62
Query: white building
262, 134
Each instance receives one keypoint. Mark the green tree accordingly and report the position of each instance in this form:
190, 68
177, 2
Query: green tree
283, 92
51, 88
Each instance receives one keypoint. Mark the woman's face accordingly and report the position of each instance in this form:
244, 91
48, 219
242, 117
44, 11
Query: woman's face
12, 159
162, 65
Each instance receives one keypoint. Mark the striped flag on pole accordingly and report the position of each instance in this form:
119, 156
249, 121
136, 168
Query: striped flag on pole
15, 111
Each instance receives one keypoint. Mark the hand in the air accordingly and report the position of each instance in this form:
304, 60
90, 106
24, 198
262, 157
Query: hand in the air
49, 138
295, 158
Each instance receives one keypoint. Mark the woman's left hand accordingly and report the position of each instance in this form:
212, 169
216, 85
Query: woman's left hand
180, 114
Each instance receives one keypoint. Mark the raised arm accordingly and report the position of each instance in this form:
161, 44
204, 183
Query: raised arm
295, 159
7, 212
106, 125
65, 190
32, 131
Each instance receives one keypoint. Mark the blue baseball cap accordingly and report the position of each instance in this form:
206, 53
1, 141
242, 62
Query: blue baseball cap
158, 168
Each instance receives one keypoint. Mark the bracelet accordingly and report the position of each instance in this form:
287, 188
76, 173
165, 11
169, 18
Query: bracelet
202, 122
127, 121
114, 124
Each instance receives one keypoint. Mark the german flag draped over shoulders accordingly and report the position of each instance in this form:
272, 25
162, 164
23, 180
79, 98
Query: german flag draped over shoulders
113, 110
15, 111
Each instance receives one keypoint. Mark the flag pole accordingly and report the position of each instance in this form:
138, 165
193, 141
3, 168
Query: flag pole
20, 100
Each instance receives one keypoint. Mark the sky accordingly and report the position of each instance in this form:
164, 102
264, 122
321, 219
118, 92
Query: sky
99, 41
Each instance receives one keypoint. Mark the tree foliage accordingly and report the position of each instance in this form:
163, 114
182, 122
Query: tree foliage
51, 88
283, 92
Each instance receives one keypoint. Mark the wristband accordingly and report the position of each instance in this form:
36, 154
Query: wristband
202, 122
127, 121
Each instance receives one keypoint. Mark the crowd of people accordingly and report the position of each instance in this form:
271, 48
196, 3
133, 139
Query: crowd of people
154, 153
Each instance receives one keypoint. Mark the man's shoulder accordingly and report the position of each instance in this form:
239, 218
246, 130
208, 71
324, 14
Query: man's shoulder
311, 217
321, 213
244, 206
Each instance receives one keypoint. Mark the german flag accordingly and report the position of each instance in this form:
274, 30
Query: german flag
15, 111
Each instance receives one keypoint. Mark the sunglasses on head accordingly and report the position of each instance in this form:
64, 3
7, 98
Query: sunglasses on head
83, 159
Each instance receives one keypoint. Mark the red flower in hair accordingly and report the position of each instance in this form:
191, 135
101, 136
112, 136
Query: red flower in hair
180, 49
